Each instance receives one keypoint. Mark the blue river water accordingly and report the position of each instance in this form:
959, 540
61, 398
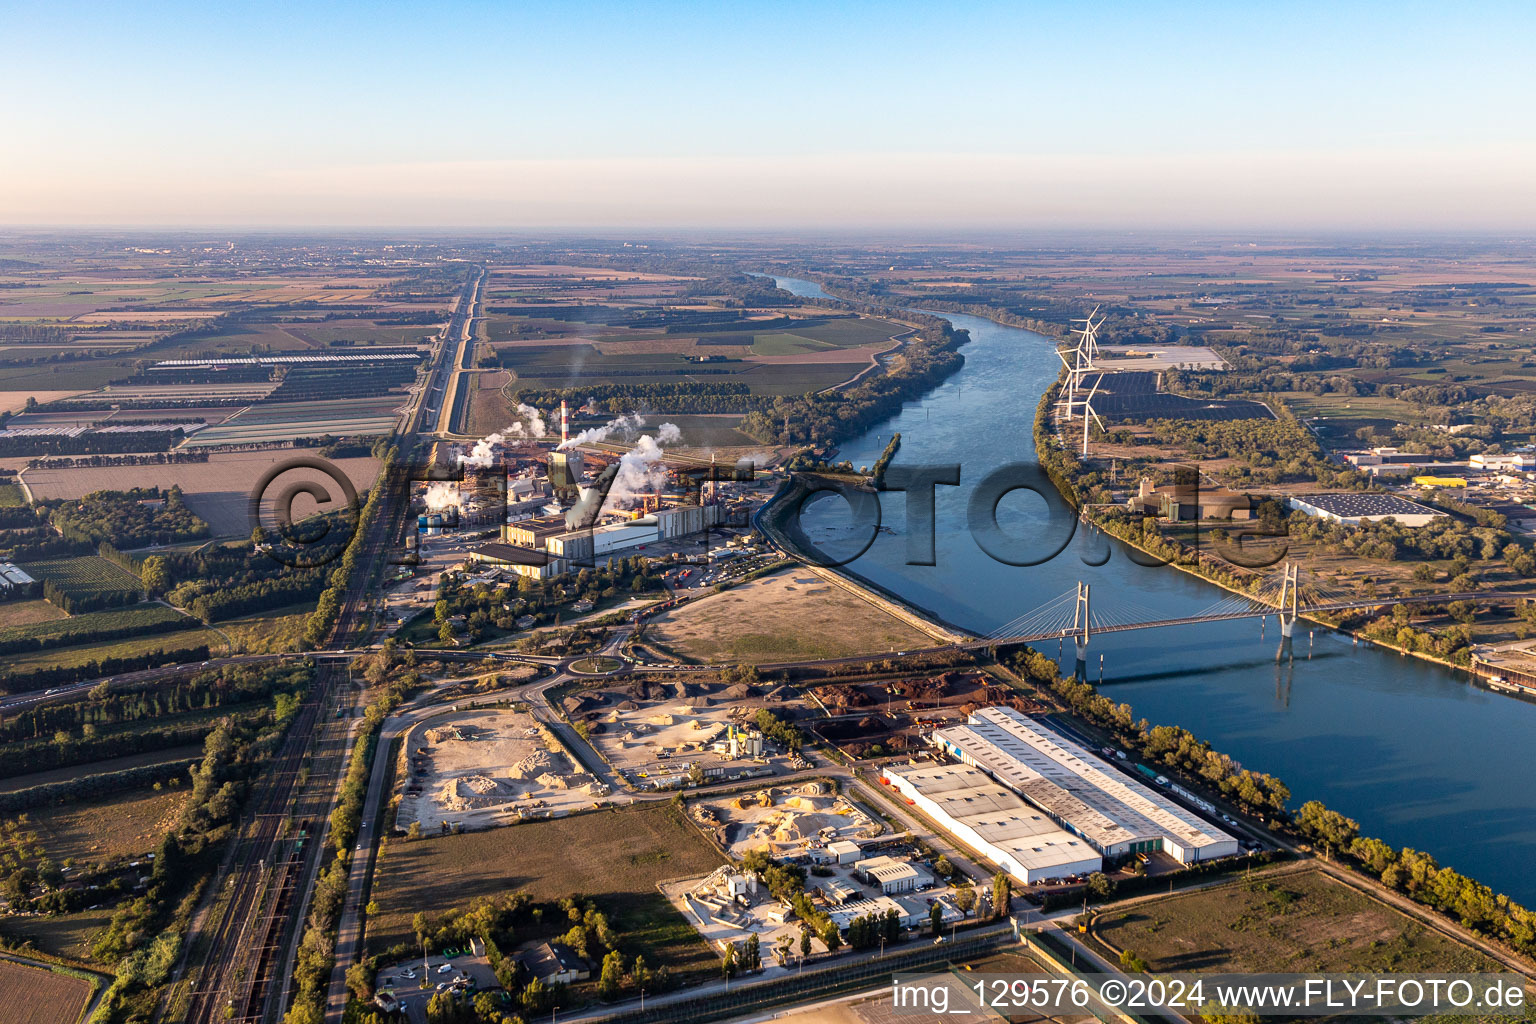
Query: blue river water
1413, 751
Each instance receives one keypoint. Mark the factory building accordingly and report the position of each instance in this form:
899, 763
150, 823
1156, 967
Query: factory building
893, 876
532, 533
1116, 814
909, 911
567, 550
1355, 508
994, 821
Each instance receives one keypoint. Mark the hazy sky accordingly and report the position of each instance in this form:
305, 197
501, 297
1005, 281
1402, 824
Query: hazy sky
922, 114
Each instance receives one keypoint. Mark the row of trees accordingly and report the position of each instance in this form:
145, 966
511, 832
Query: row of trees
34, 677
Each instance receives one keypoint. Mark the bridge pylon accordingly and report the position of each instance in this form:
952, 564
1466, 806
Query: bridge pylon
1287, 615
1081, 626
1288, 593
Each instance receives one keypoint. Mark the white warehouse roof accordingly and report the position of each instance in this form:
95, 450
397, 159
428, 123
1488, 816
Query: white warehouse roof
1115, 813
993, 821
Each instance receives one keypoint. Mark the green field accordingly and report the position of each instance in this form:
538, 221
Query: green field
15, 665
61, 632
80, 375
1295, 921
787, 344
700, 431
363, 332
82, 574
623, 855
10, 495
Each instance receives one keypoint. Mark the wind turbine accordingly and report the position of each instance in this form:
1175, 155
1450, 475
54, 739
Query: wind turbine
1083, 359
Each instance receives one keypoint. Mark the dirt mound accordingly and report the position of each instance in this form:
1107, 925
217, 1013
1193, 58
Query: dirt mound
840, 698
645, 689
740, 691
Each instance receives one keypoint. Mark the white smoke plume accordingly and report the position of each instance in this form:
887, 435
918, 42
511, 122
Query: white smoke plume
640, 472
481, 455
625, 426
442, 495
669, 433
530, 424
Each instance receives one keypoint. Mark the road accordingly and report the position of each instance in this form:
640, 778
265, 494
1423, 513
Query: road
350, 934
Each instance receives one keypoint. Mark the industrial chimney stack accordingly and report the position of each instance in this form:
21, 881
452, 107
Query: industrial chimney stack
565, 423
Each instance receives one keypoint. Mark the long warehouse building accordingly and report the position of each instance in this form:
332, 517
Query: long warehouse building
993, 821
1116, 814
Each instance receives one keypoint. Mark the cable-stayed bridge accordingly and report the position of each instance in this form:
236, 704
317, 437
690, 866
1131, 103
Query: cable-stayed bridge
1286, 593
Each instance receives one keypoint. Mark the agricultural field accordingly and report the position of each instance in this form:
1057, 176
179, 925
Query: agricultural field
624, 853
704, 431
363, 417
326, 334
84, 574
591, 346
36, 995
38, 379
218, 490
268, 633
787, 616
65, 935
1289, 921
17, 614
121, 825
16, 401
61, 632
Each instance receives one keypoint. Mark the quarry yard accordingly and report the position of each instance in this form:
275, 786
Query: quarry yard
783, 819
654, 733
782, 617
481, 769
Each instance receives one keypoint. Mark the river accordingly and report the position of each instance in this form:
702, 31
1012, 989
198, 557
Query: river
1407, 748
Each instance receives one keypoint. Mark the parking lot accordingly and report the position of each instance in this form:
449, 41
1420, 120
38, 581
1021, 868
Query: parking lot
409, 985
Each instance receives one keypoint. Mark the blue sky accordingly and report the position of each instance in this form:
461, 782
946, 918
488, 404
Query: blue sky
893, 114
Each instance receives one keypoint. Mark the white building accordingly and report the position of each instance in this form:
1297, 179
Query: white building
1520, 463
994, 821
12, 577
1115, 813
844, 851
1355, 508
910, 915
892, 875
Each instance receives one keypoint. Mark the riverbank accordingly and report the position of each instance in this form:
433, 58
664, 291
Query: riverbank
770, 520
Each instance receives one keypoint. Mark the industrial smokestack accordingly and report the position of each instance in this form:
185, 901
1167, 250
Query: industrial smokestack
565, 423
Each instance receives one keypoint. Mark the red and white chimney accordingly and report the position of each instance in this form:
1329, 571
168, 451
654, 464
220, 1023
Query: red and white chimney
565, 422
